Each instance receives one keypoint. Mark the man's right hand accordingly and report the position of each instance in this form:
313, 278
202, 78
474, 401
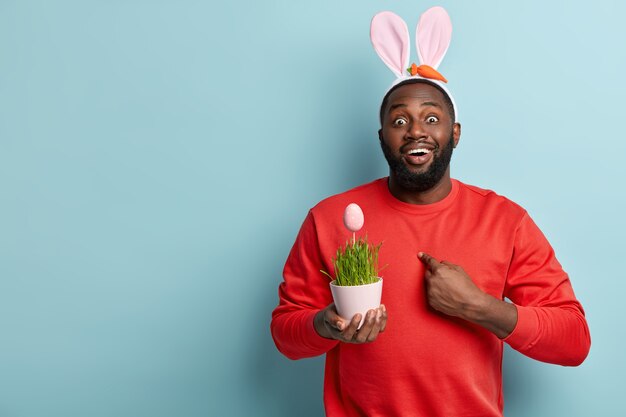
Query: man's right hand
328, 324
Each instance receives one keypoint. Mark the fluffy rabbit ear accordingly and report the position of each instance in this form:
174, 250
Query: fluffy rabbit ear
390, 37
432, 36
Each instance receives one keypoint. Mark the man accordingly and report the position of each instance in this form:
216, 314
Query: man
454, 253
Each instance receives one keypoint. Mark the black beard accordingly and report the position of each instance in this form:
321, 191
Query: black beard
419, 182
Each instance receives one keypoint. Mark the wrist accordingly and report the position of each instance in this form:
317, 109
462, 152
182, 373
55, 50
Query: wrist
478, 308
495, 315
319, 326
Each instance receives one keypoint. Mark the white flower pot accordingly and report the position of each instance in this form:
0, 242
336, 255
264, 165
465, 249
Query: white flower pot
350, 300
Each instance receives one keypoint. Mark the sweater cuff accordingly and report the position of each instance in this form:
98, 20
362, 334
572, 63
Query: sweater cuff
524, 335
318, 342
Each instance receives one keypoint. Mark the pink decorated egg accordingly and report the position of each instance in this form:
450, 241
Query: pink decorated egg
353, 217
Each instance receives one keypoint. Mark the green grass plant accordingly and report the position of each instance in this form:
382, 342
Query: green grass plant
356, 263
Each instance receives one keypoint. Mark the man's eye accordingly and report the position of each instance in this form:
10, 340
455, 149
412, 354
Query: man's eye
399, 122
432, 119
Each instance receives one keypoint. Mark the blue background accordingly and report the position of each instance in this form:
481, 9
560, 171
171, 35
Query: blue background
158, 157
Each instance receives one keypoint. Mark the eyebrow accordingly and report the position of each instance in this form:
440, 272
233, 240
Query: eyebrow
395, 106
424, 104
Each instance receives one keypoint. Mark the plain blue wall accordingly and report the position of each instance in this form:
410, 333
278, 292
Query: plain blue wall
158, 157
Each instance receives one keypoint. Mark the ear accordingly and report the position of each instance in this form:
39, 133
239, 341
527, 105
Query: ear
380, 134
390, 38
456, 133
432, 36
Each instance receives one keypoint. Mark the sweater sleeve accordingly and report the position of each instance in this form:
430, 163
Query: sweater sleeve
303, 292
551, 325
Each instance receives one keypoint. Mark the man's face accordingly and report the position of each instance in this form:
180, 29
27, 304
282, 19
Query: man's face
417, 136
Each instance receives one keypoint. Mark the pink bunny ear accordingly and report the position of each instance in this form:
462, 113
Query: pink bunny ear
390, 37
432, 36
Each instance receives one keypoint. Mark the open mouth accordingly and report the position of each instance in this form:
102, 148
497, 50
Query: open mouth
418, 156
419, 152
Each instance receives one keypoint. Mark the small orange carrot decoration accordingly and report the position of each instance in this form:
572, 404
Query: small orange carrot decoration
426, 71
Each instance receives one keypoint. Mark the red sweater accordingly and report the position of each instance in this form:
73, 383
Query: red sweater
427, 363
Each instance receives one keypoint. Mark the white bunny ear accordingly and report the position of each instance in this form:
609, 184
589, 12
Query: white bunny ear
432, 36
390, 38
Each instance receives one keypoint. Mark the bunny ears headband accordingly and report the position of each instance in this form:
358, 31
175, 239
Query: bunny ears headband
390, 38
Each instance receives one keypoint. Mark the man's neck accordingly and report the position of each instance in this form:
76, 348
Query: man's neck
430, 196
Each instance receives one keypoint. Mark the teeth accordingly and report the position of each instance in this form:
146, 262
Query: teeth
419, 150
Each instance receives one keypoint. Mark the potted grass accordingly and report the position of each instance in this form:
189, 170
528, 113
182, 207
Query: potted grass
357, 286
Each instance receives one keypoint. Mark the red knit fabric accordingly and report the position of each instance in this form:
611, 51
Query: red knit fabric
427, 363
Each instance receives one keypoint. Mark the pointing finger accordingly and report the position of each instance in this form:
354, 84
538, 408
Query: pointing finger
428, 260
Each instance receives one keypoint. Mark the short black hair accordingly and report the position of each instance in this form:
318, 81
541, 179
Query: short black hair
446, 97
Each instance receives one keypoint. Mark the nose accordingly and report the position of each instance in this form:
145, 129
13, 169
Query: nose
415, 131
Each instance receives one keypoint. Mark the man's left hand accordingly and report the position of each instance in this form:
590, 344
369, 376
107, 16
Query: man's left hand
451, 291
448, 287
